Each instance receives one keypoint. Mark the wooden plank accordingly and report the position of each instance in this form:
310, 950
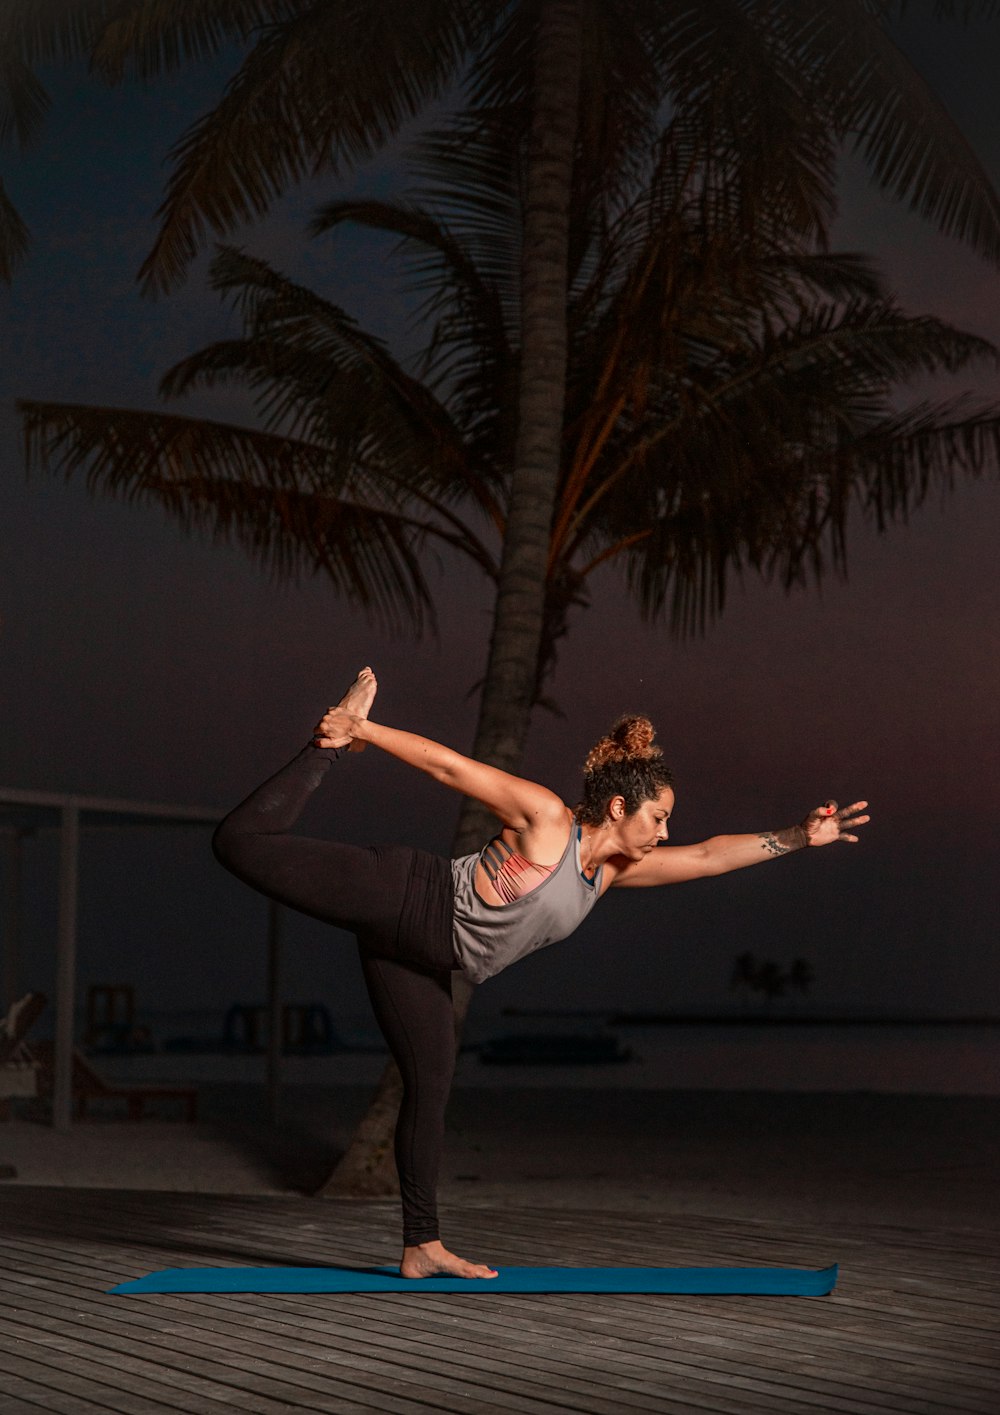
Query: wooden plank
47, 1377
20, 1396
172, 1385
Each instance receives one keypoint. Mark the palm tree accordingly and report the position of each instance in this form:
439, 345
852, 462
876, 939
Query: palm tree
575, 87
727, 420
729, 397
579, 86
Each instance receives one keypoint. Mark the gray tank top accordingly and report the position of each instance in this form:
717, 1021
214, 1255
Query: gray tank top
489, 937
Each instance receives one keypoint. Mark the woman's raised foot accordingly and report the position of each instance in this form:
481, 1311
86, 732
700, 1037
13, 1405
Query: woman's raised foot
356, 702
434, 1260
358, 699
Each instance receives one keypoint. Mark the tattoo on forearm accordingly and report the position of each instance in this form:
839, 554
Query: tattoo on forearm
780, 842
772, 844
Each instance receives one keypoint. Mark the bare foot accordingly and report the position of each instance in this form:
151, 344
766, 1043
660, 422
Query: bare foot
357, 701
434, 1260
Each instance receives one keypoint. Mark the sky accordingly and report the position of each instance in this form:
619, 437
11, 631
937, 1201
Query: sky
138, 662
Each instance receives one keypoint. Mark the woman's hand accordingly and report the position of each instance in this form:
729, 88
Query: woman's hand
336, 728
826, 823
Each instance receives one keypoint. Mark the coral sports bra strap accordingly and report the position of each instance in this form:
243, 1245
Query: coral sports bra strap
511, 874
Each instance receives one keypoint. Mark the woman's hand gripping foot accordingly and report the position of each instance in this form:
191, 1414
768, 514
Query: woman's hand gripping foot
434, 1260
335, 727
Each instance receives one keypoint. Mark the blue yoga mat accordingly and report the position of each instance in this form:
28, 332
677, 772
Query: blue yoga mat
786, 1282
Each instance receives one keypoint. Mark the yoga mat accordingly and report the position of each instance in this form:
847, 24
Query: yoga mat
786, 1282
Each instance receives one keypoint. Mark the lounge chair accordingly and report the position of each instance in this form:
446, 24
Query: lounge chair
88, 1084
18, 1071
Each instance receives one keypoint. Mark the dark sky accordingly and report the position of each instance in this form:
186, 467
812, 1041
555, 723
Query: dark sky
140, 663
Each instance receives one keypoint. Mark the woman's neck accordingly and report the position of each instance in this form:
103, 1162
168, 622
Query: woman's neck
597, 844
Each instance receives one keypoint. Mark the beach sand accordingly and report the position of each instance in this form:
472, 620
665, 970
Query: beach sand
830, 1158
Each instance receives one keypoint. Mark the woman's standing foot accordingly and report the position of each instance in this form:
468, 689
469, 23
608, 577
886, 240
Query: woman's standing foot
434, 1260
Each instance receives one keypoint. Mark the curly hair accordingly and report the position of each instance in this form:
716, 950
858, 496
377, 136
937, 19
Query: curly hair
624, 763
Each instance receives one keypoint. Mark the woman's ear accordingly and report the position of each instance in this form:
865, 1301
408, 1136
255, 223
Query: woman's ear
616, 808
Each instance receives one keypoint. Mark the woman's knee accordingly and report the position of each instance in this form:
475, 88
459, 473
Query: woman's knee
224, 843
427, 1091
236, 850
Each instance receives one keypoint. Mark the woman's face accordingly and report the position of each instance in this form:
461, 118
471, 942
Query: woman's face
645, 828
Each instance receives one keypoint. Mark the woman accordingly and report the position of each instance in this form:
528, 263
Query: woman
418, 916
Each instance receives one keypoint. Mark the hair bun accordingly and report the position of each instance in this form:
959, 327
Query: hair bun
631, 738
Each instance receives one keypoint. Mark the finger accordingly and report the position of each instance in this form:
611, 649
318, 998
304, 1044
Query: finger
823, 812
853, 839
849, 810
856, 820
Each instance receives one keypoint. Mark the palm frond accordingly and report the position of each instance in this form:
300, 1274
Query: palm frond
329, 86
734, 76
869, 346
145, 38
620, 95
882, 104
37, 32
467, 357
452, 265
14, 238
23, 100
468, 183
261, 492
835, 275
315, 373
790, 523
766, 486
925, 449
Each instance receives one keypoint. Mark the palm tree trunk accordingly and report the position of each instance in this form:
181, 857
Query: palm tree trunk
367, 1169
512, 666
511, 673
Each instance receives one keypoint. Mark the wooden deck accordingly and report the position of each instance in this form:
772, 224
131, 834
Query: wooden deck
912, 1326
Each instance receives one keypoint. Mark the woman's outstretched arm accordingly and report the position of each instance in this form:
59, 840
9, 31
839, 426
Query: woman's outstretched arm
525, 806
672, 864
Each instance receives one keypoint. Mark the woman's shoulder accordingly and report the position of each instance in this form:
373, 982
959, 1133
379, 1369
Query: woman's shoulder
544, 841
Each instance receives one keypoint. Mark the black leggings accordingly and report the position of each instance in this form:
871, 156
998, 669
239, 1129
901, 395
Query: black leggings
398, 902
